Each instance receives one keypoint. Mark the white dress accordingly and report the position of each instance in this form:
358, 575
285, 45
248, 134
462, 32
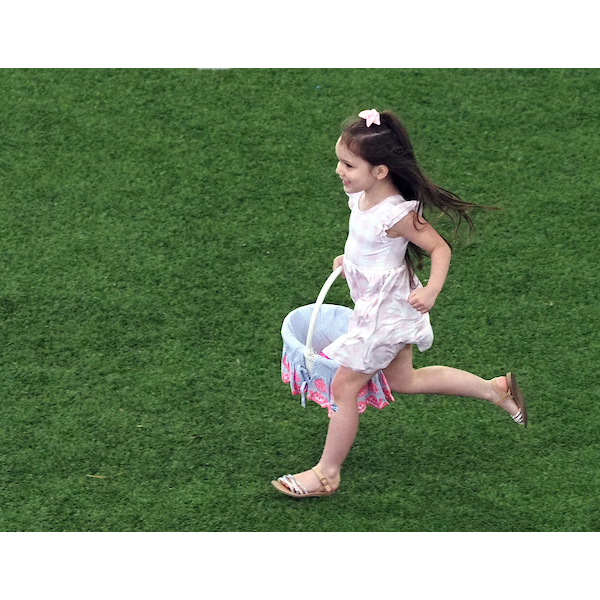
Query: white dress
383, 321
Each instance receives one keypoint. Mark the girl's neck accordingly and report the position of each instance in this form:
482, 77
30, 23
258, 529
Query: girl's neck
378, 193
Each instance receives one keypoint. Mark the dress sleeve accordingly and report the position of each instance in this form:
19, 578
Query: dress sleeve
392, 213
353, 199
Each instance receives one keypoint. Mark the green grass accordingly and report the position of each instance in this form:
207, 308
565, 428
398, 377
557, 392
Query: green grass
156, 226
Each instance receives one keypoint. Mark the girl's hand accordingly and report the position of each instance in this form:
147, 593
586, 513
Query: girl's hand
339, 262
422, 299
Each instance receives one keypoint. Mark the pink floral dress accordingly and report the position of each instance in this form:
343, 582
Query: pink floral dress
383, 321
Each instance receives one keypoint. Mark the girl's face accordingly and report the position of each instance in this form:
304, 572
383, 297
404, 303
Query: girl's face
356, 173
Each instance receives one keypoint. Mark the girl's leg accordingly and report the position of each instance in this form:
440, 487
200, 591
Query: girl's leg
446, 381
343, 426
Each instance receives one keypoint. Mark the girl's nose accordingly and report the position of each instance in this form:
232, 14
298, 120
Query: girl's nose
338, 169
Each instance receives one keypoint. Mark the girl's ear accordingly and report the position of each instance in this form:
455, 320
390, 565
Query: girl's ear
380, 171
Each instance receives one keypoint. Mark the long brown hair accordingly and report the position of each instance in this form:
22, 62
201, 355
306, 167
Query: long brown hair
388, 144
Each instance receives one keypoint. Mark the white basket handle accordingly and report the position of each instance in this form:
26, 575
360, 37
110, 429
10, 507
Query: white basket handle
309, 354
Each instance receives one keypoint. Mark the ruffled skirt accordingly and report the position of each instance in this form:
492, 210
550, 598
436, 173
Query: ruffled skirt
382, 322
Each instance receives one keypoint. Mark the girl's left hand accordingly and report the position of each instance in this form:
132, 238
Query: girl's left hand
422, 300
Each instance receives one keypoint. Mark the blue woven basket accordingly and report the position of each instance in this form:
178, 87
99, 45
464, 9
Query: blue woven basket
306, 331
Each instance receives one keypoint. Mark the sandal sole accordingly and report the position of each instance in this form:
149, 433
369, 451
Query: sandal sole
517, 395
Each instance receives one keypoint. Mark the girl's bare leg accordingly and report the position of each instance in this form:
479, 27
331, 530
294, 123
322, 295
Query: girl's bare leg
343, 426
446, 381
403, 379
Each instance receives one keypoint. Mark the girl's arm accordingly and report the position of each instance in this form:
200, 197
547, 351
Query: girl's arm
339, 262
427, 238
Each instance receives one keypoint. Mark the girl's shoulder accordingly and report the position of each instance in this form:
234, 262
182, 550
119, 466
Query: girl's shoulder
398, 200
395, 208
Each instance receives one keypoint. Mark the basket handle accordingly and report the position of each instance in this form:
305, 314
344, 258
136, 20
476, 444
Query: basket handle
309, 353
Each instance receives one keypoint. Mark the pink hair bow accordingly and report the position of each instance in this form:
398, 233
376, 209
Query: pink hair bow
370, 116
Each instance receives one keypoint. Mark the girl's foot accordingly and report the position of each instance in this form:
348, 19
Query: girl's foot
503, 398
308, 483
310, 480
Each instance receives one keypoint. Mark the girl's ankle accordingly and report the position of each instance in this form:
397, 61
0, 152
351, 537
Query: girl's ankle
332, 474
500, 384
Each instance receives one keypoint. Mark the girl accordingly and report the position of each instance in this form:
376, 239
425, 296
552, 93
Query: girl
388, 237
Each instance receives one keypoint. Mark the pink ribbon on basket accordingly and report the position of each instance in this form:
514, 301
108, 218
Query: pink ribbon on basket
370, 116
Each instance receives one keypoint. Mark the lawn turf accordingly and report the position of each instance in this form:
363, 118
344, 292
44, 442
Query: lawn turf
156, 226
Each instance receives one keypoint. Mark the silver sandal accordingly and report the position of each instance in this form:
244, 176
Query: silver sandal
514, 393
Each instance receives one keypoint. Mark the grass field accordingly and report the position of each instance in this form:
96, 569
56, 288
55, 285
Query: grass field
156, 226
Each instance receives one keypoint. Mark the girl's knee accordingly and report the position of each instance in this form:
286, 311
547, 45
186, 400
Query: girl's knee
342, 392
346, 385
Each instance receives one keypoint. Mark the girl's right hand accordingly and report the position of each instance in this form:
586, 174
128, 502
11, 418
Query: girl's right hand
339, 262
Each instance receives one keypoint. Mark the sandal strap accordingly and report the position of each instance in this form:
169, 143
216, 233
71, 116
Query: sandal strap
293, 485
499, 392
323, 479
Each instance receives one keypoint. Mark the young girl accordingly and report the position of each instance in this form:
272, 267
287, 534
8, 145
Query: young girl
387, 193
